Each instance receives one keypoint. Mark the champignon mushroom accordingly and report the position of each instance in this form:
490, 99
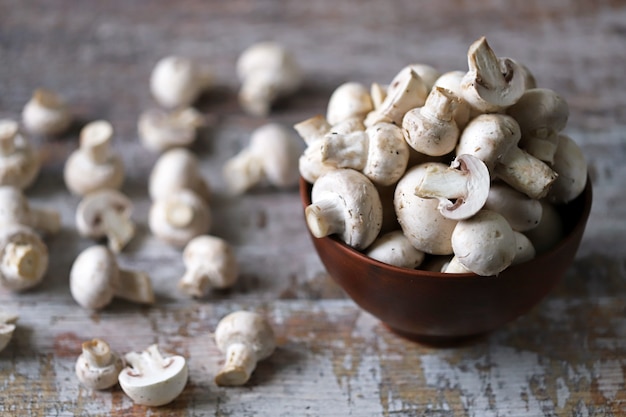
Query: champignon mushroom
571, 166
394, 248
23, 258
466, 181
160, 130
179, 217
427, 73
245, 338
177, 169
491, 83
420, 219
268, 71
94, 166
153, 379
15, 209
178, 81
524, 249
7, 327
350, 99
380, 152
106, 213
95, 279
431, 129
271, 156
345, 202
485, 243
98, 366
451, 81
19, 165
493, 139
210, 262
549, 232
522, 212
46, 113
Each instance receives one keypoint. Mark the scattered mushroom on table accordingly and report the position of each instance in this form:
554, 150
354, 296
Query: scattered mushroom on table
46, 113
23, 257
7, 328
98, 366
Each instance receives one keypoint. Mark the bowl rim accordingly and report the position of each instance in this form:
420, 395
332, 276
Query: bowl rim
586, 196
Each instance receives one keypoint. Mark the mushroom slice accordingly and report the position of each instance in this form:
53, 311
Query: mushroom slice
7, 327
152, 379
466, 181
106, 213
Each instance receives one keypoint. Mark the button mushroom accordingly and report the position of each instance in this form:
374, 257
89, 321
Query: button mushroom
394, 248
7, 327
153, 379
268, 71
19, 165
94, 166
350, 99
46, 113
345, 202
245, 338
178, 81
177, 169
451, 81
23, 258
160, 130
271, 156
15, 209
522, 213
571, 166
106, 213
95, 279
549, 232
98, 367
210, 263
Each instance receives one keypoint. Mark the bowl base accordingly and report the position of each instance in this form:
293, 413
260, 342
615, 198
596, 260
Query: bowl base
439, 341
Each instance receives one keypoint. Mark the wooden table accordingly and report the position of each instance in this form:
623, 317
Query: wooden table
566, 357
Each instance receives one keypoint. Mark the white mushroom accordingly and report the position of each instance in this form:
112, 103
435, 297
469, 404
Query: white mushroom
522, 212
571, 166
19, 164
346, 203
466, 181
98, 366
153, 379
524, 249
94, 166
23, 258
270, 157
178, 81
549, 232
106, 213
15, 209
394, 248
7, 327
350, 99
179, 217
160, 130
451, 81
210, 262
268, 72
455, 267
46, 113
427, 73
245, 338
95, 279
485, 243
177, 169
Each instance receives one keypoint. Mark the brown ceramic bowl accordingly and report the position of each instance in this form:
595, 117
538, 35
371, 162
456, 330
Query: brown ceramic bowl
434, 307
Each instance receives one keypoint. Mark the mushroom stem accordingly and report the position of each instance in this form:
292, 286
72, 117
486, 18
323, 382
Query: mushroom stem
95, 139
48, 221
324, 218
119, 229
349, 150
8, 131
409, 92
196, 282
312, 129
523, 171
481, 59
179, 214
134, 286
440, 104
22, 259
240, 363
243, 171
97, 353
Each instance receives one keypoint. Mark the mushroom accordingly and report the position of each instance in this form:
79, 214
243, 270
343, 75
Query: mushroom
453, 266
541, 114
23, 258
160, 130
106, 213
485, 243
394, 248
46, 113
350, 99
245, 338
427, 73
177, 169
271, 156
210, 263
345, 202
491, 83
98, 367
178, 81
493, 139
466, 181
571, 166
549, 232
268, 72
420, 219
522, 213
95, 279
431, 129
378, 93
179, 217
524, 249
153, 379
451, 81
94, 166
7, 327
19, 164
15, 209
380, 152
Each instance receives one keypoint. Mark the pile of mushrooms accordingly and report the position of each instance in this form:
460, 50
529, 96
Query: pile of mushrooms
471, 164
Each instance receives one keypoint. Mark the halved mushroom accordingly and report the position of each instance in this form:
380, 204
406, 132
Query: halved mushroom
7, 327
19, 164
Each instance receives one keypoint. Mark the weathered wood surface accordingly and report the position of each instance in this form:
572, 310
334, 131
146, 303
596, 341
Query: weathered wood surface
566, 357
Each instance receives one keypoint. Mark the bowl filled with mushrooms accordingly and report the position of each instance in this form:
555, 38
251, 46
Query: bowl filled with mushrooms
445, 204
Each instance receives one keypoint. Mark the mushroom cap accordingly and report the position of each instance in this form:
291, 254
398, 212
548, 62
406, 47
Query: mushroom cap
93, 277
267, 57
394, 248
540, 113
348, 100
248, 328
23, 258
82, 175
279, 150
485, 243
571, 165
214, 257
160, 129
90, 211
176, 169
20, 166
387, 154
522, 212
176, 81
46, 113
549, 232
